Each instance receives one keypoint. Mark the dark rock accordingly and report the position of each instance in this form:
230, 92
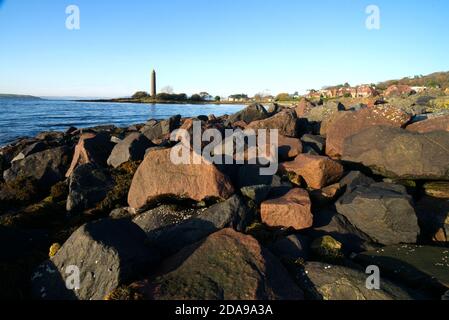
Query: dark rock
318, 143
120, 213
421, 267
46, 167
257, 193
88, 186
291, 248
433, 218
91, 148
354, 179
108, 253
226, 266
397, 153
158, 129
382, 211
33, 148
249, 114
331, 282
231, 213
285, 121
132, 148
329, 222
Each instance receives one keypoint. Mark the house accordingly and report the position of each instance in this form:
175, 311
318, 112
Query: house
365, 91
446, 91
419, 89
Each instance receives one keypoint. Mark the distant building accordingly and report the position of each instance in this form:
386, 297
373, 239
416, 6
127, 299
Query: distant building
153, 84
365, 91
419, 89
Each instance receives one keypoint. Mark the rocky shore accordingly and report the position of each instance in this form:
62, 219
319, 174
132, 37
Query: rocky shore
357, 185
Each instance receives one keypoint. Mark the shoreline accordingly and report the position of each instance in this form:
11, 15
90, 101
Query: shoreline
137, 101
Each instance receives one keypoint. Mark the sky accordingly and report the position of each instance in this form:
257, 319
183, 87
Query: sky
222, 47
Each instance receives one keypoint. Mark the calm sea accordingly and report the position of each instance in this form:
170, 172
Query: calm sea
21, 118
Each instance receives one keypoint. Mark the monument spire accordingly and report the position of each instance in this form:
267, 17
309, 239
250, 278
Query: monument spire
153, 84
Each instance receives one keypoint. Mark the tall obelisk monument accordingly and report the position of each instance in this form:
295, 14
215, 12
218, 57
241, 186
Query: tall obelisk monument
153, 84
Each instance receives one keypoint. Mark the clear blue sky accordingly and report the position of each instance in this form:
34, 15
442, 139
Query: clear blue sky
223, 47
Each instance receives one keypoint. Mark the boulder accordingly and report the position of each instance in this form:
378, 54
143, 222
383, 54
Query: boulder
171, 236
432, 124
88, 186
256, 193
132, 148
397, 153
303, 108
331, 282
354, 179
285, 121
288, 147
251, 113
45, 167
382, 211
154, 130
317, 171
398, 90
107, 253
320, 113
157, 177
423, 267
353, 122
163, 216
315, 142
292, 210
226, 266
28, 150
331, 223
91, 148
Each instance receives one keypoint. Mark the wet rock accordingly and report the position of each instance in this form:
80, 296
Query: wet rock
132, 148
397, 153
196, 273
158, 177
382, 211
292, 210
330, 282
107, 253
421, 267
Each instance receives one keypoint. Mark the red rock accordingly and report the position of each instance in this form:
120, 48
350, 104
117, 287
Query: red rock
303, 107
240, 124
317, 171
91, 148
352, 123
433, 124
158, 177
293, 210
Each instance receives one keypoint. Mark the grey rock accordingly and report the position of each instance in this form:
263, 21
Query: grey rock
354, 179
47, 167
88, 185
107, 253
33, 148
157, 129
330, 282
249, 114
132, 148
318, 143
257, 193
291, 248
397, 153
382, 211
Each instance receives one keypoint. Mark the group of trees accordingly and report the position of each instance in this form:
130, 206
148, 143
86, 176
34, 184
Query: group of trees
168, 95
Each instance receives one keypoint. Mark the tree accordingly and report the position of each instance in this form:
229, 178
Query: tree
167, 89
140, 95
196, 98
283, 97
217, 98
